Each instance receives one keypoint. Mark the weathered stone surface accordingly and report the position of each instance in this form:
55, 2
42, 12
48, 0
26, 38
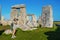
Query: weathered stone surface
23, 15
14, 14
46, 17
18, 6
8, 31
34, 21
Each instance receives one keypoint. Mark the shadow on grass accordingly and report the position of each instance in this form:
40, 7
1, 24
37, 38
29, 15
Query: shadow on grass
54, 35
1, 31
3, 28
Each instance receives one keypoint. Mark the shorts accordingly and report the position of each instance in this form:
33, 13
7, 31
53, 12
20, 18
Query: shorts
15, 27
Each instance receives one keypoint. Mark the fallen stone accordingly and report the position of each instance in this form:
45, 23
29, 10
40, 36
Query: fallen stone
8, 31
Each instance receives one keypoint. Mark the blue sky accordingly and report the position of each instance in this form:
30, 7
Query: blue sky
32, 7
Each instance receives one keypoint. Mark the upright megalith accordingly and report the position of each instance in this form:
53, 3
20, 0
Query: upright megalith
23, 14
34, 18
34, 21
14, 13
46, 17
22, 17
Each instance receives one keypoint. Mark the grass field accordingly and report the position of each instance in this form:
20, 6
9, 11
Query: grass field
38, 34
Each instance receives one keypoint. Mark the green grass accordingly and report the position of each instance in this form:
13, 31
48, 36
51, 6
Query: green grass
57, 22
38, 34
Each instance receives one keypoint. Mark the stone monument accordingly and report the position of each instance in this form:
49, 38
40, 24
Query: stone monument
46, 17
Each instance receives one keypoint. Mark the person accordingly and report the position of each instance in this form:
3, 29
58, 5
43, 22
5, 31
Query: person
11, 27
15, 26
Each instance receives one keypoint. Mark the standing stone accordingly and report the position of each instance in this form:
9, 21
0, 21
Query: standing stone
27, 18
46, 18
23, 16
2, 18
34, 20
23, 19
14, 13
